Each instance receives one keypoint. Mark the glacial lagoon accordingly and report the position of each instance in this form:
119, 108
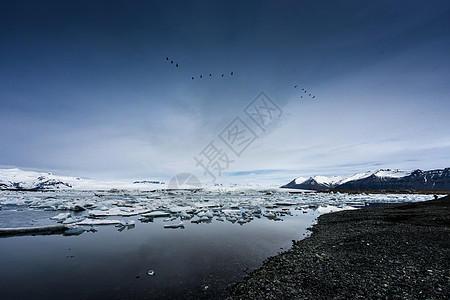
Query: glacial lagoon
160, 244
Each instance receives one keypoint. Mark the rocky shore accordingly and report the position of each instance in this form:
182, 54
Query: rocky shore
398, 251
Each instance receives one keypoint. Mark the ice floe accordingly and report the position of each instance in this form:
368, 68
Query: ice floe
74, 230
173, 226
122, 208
99, 222
61, 217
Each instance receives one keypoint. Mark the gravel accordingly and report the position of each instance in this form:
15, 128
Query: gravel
398, 251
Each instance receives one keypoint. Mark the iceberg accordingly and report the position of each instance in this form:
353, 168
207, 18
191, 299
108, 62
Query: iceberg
173, 226
156, 214
74, 230
38, 230
60, 217
98, 222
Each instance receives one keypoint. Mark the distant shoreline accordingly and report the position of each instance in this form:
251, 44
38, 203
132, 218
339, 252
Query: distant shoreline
428, 192
398, 250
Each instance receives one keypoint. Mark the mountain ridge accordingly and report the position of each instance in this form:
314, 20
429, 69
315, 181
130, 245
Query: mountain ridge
382, 179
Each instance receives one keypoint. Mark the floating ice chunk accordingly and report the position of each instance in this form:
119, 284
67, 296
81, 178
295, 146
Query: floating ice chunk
51, 229
206, 205
117, 211
60, 217
170, 219
73, 220
355, 203
185, 216
242, 221
231, 211
301, 207
146, 219
98, 222
231, 219
269, 214
74, 230
204, 218
220, 219
181, 209
156, 214
121, 224
179, 225
328, 209
62, 207
78, 207
256, 211
126, 224
284, 203
208, 214
284, 212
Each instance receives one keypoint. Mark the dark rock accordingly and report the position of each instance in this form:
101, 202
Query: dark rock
373, 253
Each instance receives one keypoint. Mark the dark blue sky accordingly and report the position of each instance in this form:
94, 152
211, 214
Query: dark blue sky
85, 88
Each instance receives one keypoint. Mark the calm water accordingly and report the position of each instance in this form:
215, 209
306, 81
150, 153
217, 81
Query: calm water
199, 261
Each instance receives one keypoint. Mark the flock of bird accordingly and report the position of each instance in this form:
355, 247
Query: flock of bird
305, 92
210, 75
201, 75
171, 62
232, 73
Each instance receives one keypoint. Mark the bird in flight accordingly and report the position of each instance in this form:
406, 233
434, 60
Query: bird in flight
210, 74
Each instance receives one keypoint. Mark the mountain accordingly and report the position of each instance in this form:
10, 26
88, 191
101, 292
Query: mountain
30, 180
383, 179
17, 179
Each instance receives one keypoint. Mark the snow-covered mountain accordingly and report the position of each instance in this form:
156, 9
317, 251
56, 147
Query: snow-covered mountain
19, 179
383, 179
31, 180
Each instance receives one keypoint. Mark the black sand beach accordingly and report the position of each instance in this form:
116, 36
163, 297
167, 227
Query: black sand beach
398, 251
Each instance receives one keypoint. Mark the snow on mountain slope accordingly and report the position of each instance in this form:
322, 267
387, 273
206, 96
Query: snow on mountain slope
356, 176
20, 179
337, 180
392, 173
330, 181
300, 180
31, 180
382, 179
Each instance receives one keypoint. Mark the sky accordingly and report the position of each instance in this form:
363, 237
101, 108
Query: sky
86, 90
